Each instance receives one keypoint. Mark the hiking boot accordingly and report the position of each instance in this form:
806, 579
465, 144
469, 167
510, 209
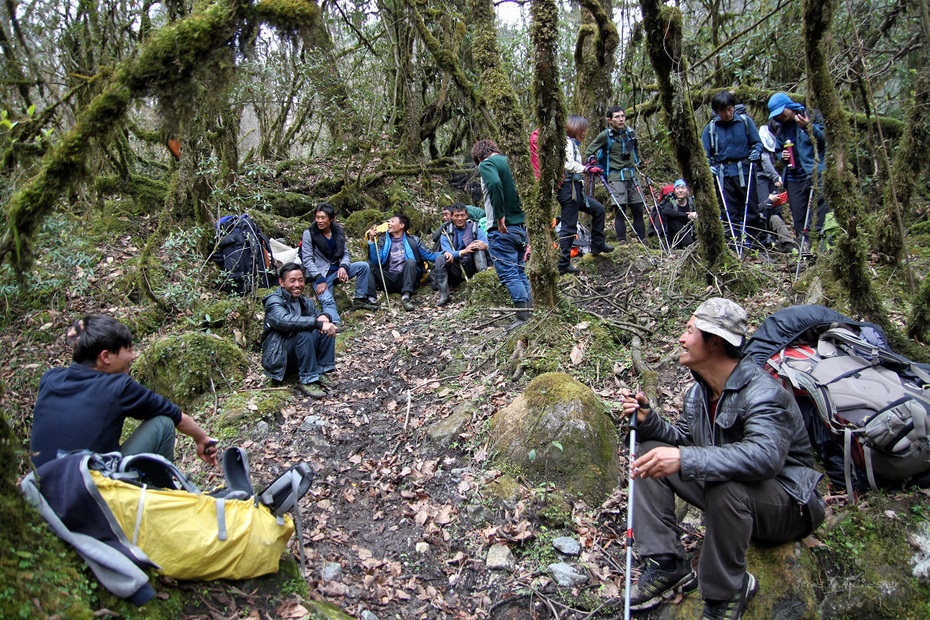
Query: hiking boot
568, 269
605, 249
407, 304
361, 303
732, 608
441, 280
310, 390
325, 381
656, 585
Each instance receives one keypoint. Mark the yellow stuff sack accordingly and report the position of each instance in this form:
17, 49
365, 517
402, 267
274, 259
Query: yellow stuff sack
193, 536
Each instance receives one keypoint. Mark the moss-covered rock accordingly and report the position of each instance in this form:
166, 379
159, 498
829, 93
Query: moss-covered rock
557, 432
360, 221
250, 405
184, 366
484, 289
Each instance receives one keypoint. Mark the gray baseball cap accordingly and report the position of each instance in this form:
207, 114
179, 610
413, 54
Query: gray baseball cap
723, 318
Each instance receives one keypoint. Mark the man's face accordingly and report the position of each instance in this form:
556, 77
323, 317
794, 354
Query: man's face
293, 282
726, 114
618, 120
395, 227
459, 218
121, 361
322, 221
785, 116
694, 350
681, 192
446, 215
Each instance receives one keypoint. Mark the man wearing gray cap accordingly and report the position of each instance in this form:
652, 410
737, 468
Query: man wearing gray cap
739, 452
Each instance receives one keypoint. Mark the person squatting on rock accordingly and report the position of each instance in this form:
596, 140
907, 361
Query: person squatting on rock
622, 160
84, 406
797, 135
739, 452
733, 147
463, 252
507, 240
324, 255
296, 337
573, 199
396, 260
678, 215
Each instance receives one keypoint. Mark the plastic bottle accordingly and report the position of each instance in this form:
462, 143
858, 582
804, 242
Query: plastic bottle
789, 146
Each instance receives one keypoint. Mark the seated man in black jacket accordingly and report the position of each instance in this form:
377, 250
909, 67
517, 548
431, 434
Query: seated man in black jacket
739, 452
83, 406
678, 214
297, 338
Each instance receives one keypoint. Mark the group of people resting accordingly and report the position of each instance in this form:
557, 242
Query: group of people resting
739, 450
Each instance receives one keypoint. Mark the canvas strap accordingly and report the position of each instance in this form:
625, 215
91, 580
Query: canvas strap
295, 486
847, 466
221, 518
139, 507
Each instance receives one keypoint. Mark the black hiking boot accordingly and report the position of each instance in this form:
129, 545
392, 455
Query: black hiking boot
656, 585
569, 268
604, 249
732, 608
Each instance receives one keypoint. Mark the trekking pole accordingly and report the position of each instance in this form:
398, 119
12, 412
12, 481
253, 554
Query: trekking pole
634, 422
649, 215
387, 296
742, 234
805, 239
626, 218
726, 211
445, 234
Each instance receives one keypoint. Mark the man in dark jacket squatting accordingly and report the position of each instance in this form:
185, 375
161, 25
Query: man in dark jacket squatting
83, 406
296, 338
739, 452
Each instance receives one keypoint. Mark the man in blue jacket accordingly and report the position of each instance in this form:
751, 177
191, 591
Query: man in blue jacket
733, 147
801, 145
84, 406
296, 337
739, 452
396, 260
467, 244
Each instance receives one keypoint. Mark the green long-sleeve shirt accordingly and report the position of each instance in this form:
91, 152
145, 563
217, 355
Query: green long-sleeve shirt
501, 199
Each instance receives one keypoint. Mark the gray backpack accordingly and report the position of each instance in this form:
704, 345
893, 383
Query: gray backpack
874, 401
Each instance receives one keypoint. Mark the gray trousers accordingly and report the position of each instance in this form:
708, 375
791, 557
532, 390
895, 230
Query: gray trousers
734, 513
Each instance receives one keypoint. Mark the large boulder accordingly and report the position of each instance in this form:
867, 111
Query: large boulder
557, 432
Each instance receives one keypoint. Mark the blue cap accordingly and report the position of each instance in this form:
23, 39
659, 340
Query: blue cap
777, 104
680, 183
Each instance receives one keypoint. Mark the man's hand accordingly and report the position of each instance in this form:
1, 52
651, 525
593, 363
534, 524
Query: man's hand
754, 156
372, 233
635, 403
502, 226
342, 275
328, 329
449, 256
658, 463
692, 215
320, 288
803, 120
207, 450
476, 246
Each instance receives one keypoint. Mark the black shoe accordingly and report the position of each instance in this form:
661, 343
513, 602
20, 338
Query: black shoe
407, 304
732, 608
568, 269
361, 303
656, 585
443, 298
310, 390
605, 249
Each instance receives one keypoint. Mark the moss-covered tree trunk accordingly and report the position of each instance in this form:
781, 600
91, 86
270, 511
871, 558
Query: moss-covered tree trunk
594, 60
513, 139
663, 26
550, 118
839, 184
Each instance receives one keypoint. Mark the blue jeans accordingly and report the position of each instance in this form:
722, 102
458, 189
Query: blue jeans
507, 251
361, 271
153, 436
311, 354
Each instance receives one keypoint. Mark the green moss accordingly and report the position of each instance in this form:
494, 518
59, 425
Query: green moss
484, 290
251, 405
360, 221
504, 488
184, 366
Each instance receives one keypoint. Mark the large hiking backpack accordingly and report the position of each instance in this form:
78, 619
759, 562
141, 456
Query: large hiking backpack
866, 404
603, 153
244, 255
739, 113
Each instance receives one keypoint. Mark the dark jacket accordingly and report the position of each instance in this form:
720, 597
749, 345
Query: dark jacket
728, 144
315, 254
758, 434
280, 323
803, 147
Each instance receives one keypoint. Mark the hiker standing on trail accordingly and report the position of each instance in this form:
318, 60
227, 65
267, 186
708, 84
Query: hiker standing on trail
467, 244
83, 406
797, 135
678, 213
734, 151
507, 239
324, 255
622, 149
573, 199
296, 338
739, 452
396, 260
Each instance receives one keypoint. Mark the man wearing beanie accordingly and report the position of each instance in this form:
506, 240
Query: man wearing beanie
797, 136
739, 452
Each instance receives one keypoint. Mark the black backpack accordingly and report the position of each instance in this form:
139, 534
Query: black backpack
244, 255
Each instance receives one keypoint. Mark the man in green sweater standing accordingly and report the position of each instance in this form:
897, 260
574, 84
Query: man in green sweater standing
506, 224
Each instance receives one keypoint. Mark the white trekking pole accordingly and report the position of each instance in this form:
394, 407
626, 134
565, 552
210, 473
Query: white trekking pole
634, 421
